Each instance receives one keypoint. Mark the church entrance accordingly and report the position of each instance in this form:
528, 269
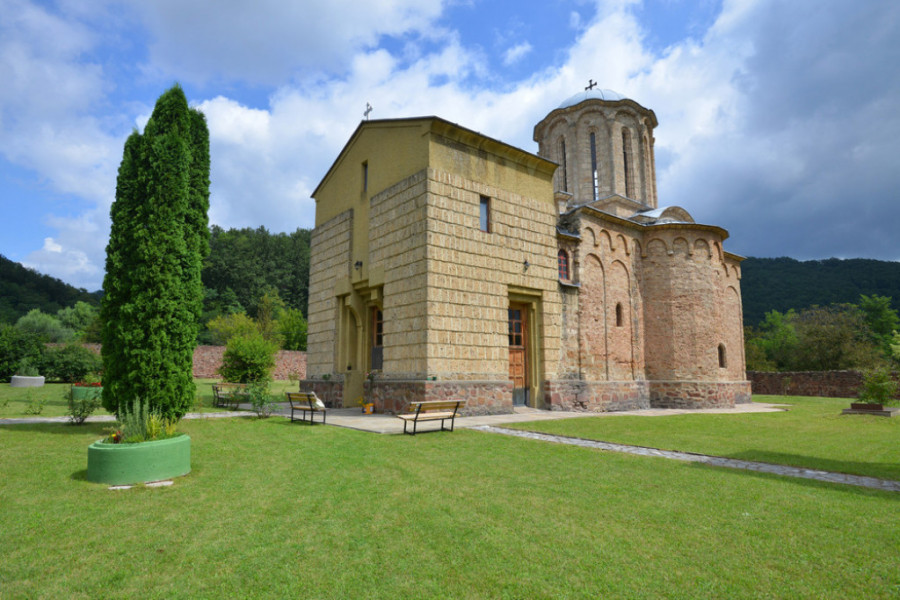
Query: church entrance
518, 353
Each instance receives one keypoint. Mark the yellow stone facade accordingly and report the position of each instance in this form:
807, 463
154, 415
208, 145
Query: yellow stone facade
436, 272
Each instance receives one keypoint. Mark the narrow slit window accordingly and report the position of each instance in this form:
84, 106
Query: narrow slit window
595, 194
620, 320
627, 164
365, 176
485, 214
722, 358
563, 265
563, 175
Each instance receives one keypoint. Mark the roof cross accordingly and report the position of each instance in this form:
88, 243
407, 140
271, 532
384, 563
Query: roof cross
591, 85
368, 110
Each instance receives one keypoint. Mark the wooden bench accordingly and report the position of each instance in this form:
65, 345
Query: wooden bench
307, 403
432, 410
230, 394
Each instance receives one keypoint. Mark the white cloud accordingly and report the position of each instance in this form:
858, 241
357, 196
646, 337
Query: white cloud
269, 41
516, 53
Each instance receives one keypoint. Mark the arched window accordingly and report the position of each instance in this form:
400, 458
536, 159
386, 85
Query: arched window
627, 163
620, 320
594, 176
722, 359
563, 173
563, 265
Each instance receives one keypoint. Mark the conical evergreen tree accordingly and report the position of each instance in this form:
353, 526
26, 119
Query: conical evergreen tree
159, 237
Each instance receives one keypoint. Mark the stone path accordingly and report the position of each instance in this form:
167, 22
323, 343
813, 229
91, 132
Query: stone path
716, 461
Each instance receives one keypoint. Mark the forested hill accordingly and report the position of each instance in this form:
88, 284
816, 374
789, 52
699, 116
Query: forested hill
22, 289
784, 283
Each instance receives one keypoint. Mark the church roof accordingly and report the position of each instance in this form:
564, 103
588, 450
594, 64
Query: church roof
595, 94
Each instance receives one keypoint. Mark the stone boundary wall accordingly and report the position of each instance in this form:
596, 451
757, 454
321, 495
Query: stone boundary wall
828, 384
208, 359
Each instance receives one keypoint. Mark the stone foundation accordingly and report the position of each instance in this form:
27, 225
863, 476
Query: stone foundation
596, 396
329, 392
482, 397
698, 394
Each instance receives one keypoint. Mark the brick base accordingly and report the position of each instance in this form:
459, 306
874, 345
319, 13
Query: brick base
698, 394
329, 392
482, 397
596, 396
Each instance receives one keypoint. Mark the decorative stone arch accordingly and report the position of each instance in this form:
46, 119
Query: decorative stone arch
594, 241
638, 249
657, 243
681, 245
605, 237
717, 247
624, 243
701, 246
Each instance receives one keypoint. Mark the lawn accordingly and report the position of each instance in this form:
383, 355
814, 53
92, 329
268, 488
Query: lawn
14, 402
812, 433
274, 509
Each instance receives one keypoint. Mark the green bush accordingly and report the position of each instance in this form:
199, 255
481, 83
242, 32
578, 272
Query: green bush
261, 399
16, 345
82, 404
878, 387
70, 363
248, 359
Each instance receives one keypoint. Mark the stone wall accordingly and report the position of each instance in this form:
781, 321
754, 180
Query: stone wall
208, 359
698, 394
481, 397
828, 384
592, 396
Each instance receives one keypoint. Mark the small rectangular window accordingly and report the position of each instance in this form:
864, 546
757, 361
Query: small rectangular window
365, 176
485, 214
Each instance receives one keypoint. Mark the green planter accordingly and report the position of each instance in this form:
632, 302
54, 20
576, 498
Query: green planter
122, 464
86, 392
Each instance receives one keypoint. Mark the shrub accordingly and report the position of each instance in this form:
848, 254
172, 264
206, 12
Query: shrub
878, 387
248, 358
82, 403
33, 406
16, 345
137, 425
27, 368
224, 327
261, 399
46, 326
70, 363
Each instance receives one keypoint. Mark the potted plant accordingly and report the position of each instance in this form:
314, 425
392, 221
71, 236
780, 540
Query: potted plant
26, 375
142, 447
878, 389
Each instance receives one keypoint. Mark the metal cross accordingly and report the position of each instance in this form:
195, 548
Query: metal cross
591, 85
368, 110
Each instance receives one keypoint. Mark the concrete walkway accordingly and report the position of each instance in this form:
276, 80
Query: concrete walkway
716, 461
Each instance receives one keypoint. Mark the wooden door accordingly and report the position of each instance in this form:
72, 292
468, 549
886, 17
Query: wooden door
518, 361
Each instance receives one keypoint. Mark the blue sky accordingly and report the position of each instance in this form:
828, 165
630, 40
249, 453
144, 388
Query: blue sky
778, 119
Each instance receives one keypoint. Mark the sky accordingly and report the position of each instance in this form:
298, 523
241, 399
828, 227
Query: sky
778, 119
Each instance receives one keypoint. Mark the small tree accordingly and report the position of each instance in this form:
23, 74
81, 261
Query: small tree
159, 237
878, 387
293, 329
225, 327
248, 359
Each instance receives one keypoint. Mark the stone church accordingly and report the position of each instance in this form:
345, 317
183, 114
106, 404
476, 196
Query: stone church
447, 264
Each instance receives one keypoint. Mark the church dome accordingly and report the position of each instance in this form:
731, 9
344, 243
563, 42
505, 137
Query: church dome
595, 94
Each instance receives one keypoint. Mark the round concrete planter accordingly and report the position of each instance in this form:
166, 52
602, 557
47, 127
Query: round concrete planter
24, 381
121, 464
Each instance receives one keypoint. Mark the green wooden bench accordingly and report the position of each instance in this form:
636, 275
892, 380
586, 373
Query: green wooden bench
431, 410
230, 394
307, 403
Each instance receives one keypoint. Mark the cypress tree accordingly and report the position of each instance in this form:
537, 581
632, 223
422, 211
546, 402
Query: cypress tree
159, 237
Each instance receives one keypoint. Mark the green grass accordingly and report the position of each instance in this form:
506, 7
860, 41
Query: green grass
15, 401
811, 433
274, 509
